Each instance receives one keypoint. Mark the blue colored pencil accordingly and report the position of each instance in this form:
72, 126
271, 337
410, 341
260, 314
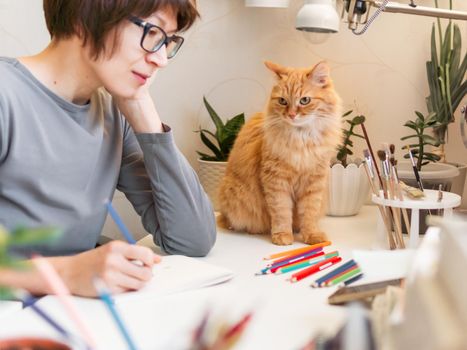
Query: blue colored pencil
106, 298
351, 280
118, 221
333, 273
29, 301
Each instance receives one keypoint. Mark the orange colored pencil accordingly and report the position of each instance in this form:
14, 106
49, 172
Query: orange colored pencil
295, 256
297, 251
296, 261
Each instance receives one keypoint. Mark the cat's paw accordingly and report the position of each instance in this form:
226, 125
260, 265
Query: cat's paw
282, 238
314, 237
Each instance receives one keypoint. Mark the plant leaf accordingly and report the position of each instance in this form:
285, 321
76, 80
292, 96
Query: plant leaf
204, 156
216, 150
359, 119
215, 118
28, 236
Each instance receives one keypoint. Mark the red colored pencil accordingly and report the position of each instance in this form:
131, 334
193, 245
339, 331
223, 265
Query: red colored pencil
315, 268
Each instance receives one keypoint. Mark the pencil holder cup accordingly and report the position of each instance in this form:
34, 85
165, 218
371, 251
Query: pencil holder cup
430, 203
432, 175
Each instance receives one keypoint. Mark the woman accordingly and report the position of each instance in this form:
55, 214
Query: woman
77, 122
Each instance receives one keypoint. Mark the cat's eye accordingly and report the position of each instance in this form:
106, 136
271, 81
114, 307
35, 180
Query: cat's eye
282, 101
305, 100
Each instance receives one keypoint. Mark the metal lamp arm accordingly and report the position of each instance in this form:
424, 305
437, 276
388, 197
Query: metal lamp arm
421, 10
354, 16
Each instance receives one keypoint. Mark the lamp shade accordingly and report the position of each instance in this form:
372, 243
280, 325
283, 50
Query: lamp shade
318, 16
267, 3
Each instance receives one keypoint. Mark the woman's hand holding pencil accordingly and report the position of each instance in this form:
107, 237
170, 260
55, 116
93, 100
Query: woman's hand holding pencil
112, 262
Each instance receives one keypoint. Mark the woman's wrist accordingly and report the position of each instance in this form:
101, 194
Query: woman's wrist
141, 114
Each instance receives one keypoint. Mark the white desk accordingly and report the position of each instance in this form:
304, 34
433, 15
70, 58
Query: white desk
285, 315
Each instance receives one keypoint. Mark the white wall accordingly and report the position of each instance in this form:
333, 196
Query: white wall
381, 74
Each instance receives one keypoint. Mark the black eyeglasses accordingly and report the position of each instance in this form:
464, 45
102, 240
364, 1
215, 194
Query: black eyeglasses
154, 37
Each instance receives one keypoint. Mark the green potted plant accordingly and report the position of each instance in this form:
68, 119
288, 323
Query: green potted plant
220, 142
348, 185
18, 237
433, 174
446, 73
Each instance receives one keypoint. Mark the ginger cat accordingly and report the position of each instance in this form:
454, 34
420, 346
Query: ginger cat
277, 172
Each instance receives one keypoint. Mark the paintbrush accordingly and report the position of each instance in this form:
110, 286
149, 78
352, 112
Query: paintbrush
398, 189
370, 173
385, 171
371, 153
387, 174
415, 170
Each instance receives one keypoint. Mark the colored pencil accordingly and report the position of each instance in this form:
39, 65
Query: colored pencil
198, 335
286, 262
106, 298
119, 222
346, 276
315, 268
29, 301
263, 271
274, 268
56, 284
351, 280
342, 273
291, 257
297, 251
226, 340
302, 264
334, 272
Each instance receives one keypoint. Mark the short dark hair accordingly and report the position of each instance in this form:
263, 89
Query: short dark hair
92, 20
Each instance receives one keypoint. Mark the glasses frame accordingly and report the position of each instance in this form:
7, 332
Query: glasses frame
167, 39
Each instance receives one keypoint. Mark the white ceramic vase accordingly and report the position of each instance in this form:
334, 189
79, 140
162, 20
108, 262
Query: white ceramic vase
210, 175
348, 189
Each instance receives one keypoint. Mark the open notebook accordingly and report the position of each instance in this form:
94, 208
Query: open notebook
177, 273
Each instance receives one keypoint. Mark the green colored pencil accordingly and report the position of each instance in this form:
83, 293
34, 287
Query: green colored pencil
345, 276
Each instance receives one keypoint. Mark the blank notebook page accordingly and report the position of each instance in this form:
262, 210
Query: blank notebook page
177, 273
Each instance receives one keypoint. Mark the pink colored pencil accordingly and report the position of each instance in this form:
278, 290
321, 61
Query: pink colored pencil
59, 288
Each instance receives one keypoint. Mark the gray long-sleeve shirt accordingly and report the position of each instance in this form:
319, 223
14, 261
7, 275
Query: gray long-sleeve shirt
59, 163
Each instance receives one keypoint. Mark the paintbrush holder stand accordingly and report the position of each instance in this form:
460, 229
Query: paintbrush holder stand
429, 202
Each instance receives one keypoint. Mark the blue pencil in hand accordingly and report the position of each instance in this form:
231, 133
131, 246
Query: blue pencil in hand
118, 221
106, 298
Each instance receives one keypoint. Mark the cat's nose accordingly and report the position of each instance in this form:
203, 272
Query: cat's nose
292, 115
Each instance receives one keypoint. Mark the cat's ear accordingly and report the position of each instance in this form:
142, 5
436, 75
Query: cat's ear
276, 68
319, 74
